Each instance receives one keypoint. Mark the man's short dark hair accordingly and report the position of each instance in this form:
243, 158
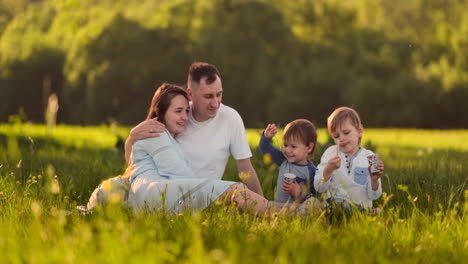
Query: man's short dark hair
199, 70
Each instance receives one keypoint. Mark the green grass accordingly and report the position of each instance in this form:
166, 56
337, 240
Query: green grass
424, 218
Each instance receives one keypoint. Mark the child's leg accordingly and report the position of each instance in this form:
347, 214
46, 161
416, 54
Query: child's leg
247, 200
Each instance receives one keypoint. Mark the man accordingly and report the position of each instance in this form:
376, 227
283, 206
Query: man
213, 133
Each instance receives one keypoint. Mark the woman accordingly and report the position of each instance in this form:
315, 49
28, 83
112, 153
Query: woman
159, 175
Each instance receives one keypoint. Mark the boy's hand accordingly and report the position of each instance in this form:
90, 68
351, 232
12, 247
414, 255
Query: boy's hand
270, 131
291, 188
334, 163
376, 175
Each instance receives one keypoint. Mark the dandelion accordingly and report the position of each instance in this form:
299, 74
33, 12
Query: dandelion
107, 186
403, 187
39, 176
36, 208
55, 187
115, 198
267, 158
244, 175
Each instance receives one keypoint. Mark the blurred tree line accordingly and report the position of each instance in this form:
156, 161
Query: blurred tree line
398, 62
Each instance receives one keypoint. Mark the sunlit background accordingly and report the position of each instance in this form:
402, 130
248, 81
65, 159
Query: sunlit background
399, 63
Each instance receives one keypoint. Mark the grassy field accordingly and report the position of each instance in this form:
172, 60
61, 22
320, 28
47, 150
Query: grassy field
45, 173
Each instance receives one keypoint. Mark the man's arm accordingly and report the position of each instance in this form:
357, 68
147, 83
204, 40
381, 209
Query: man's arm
244, 167
146, 129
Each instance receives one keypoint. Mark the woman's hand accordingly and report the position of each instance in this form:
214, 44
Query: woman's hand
292, 188
270, 131
146, 129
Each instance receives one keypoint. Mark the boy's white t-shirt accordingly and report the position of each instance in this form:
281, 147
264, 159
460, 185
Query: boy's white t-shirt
208, 145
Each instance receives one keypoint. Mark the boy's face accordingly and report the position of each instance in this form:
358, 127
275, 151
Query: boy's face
296, 151
347, 137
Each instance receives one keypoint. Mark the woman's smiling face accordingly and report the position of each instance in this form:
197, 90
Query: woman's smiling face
176, 116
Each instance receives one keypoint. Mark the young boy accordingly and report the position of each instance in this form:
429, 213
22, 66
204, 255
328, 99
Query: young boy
343, 173
299, 138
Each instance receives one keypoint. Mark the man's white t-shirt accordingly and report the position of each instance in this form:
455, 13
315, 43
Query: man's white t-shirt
208, 145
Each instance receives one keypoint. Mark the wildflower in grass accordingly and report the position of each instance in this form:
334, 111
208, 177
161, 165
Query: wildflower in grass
267, 159
107, 185
54, 186
402, 187
39, 176
36, 208
115, 198
244, 175
32, 180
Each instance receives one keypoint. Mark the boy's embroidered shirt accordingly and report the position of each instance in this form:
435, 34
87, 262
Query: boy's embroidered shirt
349, 182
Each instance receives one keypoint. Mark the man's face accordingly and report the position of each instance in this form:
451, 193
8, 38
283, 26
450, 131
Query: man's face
206, 99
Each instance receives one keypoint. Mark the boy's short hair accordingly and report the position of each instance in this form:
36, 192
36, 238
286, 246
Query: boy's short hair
303, 130
340, 115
